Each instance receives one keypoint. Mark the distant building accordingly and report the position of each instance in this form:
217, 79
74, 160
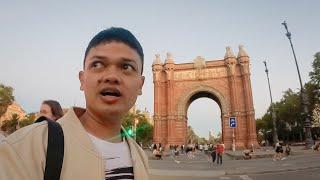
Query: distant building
14, 108
211, 135
144, 112
147, 115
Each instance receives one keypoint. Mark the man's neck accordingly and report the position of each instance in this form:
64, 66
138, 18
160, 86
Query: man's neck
109, 130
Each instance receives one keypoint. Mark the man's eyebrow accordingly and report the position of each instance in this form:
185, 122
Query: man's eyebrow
106, 58
129, 60
98, 57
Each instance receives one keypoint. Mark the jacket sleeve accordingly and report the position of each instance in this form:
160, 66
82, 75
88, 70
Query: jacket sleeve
23, 153
11, 164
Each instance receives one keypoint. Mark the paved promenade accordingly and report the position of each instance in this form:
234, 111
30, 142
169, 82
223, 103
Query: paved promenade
200, 166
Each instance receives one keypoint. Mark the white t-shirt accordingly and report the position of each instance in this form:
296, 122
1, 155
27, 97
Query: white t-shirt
117, 156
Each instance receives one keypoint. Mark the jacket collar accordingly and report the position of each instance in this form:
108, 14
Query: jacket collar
79, 134
75, 129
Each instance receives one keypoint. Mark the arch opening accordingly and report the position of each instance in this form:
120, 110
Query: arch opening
204, 117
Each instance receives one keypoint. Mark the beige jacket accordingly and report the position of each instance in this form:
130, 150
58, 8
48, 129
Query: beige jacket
23, 154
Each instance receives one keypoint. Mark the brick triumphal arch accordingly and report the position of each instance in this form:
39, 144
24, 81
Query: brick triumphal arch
225, 81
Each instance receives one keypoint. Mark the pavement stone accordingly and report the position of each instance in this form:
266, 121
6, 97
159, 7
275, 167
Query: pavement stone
200, 167
189, 173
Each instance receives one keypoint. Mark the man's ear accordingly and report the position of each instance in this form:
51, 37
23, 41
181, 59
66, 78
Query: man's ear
81, 78
142, 82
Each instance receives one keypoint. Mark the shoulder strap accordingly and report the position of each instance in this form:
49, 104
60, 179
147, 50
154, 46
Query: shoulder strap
55, 150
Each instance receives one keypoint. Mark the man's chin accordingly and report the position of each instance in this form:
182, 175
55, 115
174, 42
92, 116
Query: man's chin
111, 113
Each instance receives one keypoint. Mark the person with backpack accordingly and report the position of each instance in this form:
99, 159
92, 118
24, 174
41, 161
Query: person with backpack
90, 142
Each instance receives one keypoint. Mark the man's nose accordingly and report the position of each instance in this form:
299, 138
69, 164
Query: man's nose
111, 76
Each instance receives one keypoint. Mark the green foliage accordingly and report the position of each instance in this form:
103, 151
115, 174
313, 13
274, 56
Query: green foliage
25, 122
11, 125
313, 90
289, 121
144, 130
6, 98
29, 119
289, 116
203, 140
315, 73
191, 136
316, 116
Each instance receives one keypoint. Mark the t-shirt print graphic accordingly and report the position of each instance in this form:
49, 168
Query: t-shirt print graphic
116, 157
122, 173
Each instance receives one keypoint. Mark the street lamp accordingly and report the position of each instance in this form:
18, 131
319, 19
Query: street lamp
273, 114
303, 96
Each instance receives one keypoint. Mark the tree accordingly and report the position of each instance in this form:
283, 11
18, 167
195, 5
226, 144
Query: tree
263, 127
144, 130
316, 120
191, 136
289, 114
315, 73
289, 120
6, 98
316, 116
203, 140
29, 119
11, 125
313, 91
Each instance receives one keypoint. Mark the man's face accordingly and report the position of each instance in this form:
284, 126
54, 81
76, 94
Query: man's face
111, 79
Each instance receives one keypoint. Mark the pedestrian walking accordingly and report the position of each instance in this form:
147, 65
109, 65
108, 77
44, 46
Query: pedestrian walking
190, 151
220, 151
288, 150
214, 153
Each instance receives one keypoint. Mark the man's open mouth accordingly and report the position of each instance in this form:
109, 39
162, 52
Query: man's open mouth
110, 92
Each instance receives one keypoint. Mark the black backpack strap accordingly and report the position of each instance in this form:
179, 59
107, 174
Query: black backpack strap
55, 149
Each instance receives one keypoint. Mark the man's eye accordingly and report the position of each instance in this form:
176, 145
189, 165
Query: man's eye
128, 67
96, 64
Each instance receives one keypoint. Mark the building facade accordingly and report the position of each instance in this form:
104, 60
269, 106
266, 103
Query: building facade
14, 108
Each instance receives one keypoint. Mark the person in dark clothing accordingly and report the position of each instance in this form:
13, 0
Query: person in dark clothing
214, 154
288, 150
279, 152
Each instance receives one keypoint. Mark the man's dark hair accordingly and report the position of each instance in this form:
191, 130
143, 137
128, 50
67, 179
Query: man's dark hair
119, 35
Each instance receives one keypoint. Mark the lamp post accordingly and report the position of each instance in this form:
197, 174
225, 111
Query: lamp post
233, 141
136, 121
303, 96
273, 114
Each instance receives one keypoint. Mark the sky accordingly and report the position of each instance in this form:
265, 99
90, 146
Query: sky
42, 45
